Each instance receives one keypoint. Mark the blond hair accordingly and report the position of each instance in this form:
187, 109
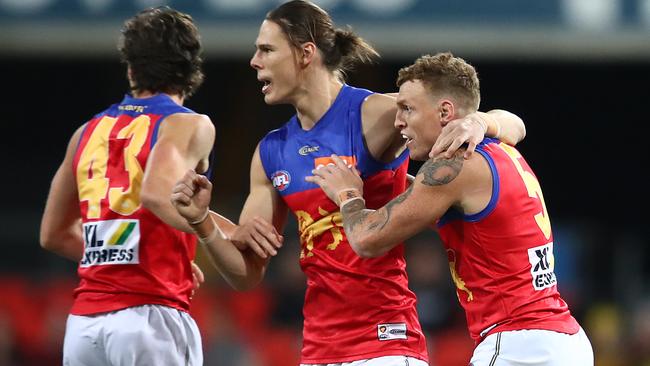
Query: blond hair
445, 76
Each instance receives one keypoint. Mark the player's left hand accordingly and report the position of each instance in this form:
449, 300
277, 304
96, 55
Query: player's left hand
258, 235
335, 178
469, 129
197, 278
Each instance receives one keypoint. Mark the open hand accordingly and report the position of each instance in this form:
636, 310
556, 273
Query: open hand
469, 129
258, 235
197, 278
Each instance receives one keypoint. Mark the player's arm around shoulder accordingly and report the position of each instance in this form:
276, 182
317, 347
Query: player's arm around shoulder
471, 129
184, 142
60, 230
505, 125
378, 122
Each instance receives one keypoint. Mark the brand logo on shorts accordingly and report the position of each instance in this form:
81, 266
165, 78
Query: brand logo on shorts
305, 150
390, 331
111, 242
542, 265
281, 180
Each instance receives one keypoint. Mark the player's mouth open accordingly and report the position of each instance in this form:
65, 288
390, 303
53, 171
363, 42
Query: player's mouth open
266, 86
408, 139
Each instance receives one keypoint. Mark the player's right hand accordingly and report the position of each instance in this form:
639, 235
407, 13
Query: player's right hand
191, 196
197, 278
259, 236
468, 130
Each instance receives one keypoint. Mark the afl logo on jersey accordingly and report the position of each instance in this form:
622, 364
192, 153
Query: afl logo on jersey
281, 180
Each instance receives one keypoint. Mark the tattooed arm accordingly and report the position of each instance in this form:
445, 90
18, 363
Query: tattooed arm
440, 184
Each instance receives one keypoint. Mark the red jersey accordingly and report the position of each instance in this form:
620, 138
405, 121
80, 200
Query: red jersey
354, 308
131, 257
501, 259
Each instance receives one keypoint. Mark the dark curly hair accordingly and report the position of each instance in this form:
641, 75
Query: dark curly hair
162, 47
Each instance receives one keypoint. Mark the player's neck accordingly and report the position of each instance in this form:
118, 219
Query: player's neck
147, 94
316, 97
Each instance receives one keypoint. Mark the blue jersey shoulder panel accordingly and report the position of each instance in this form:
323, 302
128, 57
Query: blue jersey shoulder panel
290, 153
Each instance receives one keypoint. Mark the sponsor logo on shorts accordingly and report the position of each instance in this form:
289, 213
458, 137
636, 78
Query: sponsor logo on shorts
390, 331
281, 180
306, 150
350, 161
111, 242
542, 265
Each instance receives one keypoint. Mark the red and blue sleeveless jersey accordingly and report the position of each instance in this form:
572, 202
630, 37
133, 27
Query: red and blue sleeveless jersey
131, 257
354, 308
501, 259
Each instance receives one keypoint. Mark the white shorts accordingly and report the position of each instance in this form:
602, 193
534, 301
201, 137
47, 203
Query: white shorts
141, 335
379, 361
532, 347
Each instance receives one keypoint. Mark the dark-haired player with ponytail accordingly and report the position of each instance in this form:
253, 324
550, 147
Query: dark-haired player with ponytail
356, 311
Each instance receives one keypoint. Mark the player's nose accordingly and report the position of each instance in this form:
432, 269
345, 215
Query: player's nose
399, 122
255, 61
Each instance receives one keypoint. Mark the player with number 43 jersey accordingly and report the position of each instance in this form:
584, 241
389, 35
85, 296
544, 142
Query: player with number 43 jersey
108, 208
126, 245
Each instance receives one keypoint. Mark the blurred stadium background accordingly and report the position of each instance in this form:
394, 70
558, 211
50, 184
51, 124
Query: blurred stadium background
576, 71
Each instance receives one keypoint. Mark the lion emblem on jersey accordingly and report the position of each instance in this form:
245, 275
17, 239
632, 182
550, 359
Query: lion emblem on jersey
460, 284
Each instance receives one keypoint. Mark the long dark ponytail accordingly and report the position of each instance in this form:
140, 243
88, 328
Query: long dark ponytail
302, 21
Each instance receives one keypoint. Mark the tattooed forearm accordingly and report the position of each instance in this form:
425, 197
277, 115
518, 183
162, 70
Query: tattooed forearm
352, 221
353, 206
364, 221
399, 199
355, 214
395, 201
357, 219
440, 171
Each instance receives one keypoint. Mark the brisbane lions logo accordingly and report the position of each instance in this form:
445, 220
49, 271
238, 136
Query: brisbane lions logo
460, 284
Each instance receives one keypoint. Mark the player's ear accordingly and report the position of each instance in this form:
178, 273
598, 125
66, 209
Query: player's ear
447, 110
308, 53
